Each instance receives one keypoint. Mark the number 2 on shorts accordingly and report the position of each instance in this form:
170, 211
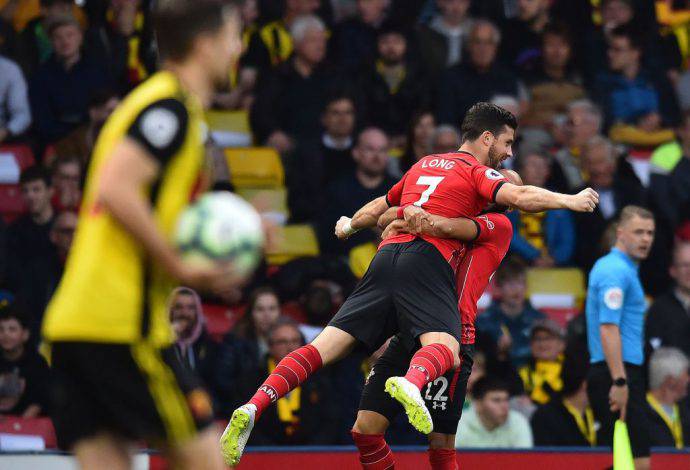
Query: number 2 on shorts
432, 182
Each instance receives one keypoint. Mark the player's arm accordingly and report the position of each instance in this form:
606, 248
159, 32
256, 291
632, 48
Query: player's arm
534, 199
132, 166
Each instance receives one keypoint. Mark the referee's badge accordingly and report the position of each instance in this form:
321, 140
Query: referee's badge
613, 298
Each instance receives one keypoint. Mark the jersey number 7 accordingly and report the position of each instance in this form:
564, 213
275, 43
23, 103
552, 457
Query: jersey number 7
432, 182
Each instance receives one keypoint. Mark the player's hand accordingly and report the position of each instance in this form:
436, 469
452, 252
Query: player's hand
394, 228
584, 201
618, 399
219, 280
416, 219
341, 228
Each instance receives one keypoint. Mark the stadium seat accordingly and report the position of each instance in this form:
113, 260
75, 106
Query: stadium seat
22, 154
219, 320
561, 315
292, 241
42, 427
255, 167
11, 202
271, 202
229, 128
556, 288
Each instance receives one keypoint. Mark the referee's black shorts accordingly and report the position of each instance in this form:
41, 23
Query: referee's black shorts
132, 391
408, 288
444, 397
598, 386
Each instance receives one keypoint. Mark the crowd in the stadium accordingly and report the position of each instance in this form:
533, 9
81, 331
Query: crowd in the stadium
350, 94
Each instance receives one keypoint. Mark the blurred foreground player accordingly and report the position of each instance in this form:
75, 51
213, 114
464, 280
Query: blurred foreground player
488, 239
116, 379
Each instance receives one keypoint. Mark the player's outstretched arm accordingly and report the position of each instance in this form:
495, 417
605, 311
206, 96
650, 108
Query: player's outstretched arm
534, 199
128, 170
365, 217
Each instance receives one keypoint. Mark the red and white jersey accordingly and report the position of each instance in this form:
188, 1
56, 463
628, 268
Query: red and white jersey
450, 185
480, 262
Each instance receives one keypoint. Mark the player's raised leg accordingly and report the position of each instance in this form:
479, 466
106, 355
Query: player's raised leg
331, 344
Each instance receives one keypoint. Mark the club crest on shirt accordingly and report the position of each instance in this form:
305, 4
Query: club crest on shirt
613, 298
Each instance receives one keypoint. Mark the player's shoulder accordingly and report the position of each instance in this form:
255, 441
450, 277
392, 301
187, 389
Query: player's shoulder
609, 266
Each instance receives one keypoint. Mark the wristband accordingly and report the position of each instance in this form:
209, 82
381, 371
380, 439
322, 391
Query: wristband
620, 382
401, 212
348, 230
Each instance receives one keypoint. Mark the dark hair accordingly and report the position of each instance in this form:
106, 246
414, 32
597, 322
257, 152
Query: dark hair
285, 321
101, 96
560, 29
488, 384
408, 158
177, 23
339, 96
245, 326
9, 311
484, 117
628, 31
35, 173
511, 268
574, 368
50, 3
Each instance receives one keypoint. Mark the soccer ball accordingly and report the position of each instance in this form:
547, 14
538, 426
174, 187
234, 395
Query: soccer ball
221, 227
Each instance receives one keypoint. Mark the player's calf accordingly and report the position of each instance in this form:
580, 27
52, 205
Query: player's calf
374, 453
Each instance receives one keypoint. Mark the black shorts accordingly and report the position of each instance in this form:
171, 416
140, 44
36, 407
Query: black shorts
598, 387
444, 396
408, 288
135, 392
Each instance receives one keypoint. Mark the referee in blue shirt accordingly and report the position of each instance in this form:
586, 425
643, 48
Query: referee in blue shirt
615, 325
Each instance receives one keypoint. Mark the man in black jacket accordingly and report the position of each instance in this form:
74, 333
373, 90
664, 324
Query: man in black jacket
669, 421
568, 421
668, 319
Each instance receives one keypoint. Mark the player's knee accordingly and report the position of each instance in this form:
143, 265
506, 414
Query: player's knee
441, 441
332, 344
370, 422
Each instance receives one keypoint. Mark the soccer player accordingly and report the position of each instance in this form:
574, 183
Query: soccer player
615, 312
410, 284
488, 237
116, 377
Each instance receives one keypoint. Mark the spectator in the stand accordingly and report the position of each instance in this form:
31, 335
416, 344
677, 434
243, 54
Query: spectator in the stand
320, 302
478, 78
567, 421
24, 373
522, 35
419, 133
3, 251
599, 162
490, 422
445, 139
679, 181
123, 38
35, 46
393, 87
243, 348
353, 43
541, 376
29, 251
442, 41
80, 141
15, 112
67, 177
640, 105
509, 319
314, 164
8, 37
669, 419
544, 239
62, 86
668, 319
193, 348
553, 82
307, 415
273, 43
291, 98
585, 120
61, 236
350, 192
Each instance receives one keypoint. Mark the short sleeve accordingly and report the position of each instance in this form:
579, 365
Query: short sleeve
487, 181
611, 288
493, 228
161, 128
395, 193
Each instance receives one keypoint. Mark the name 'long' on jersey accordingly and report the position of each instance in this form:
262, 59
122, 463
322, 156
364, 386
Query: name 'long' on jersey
449, 185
